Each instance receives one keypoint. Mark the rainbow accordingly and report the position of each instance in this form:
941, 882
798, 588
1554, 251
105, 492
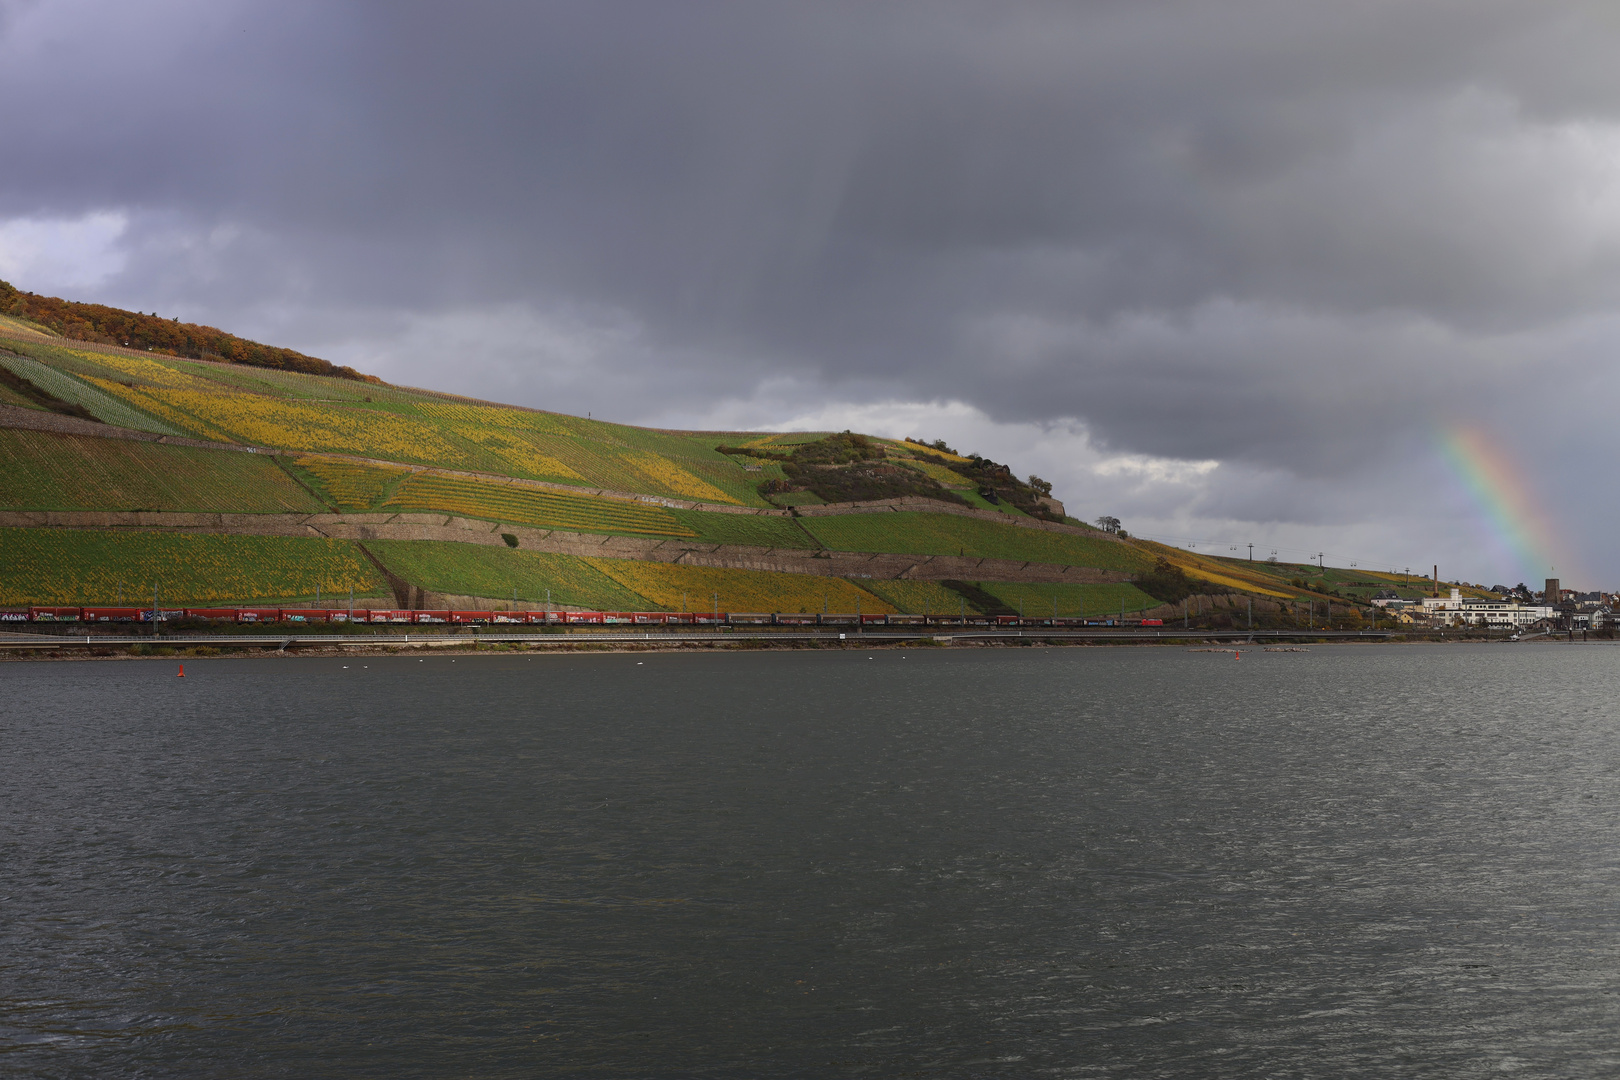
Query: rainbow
1506, 499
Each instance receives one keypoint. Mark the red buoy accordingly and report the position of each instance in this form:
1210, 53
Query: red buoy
182, 672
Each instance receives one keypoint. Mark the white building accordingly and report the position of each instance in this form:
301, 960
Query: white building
1459, 609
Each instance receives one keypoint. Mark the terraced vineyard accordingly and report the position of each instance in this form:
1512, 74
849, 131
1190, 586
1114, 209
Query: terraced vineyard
1095, 601
347, 485
73, 566
469, 570
108, 408
673, 587
947, 534
314, 418
313, 414
531, 506
754, 530
47, 471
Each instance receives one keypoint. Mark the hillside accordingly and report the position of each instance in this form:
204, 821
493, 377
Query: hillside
275, 478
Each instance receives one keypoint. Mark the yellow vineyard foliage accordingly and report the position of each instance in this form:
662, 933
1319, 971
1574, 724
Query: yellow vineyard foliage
296, 425
939, 473
661, 472
516, 449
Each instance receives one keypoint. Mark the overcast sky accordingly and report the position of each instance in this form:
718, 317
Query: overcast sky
1233, 272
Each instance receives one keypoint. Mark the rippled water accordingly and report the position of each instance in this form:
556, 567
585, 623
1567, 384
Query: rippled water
1364, 860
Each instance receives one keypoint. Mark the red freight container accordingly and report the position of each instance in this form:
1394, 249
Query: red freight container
430, 616
593, 618
225, 613
508, 617
472, 617
114, 614
380, 615
1152, 622
53, 614
258, 614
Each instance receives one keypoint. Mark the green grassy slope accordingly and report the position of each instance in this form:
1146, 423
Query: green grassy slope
46, 471
919, 597
947, 534
74, 566
471, 570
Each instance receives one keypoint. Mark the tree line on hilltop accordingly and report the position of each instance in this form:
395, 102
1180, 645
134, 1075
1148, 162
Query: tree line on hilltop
150, 333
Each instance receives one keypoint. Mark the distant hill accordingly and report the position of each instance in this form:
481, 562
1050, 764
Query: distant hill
136, 330
212, 468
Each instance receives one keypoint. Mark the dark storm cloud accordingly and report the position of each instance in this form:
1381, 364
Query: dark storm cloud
1294, 235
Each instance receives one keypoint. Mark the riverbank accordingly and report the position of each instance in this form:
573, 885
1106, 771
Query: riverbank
79, 650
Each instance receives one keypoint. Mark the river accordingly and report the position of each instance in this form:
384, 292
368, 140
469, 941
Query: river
1369, 860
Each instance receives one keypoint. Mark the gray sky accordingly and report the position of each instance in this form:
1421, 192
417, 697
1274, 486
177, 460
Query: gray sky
1319, 276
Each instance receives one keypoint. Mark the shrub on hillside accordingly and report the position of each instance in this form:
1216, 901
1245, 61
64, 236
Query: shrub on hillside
1166, 583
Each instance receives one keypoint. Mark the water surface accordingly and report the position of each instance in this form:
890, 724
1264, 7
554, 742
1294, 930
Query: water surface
1363, 860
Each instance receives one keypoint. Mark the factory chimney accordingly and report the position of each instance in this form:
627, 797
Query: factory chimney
1437, 579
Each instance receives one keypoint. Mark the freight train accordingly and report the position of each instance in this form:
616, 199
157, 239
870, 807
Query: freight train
450, 617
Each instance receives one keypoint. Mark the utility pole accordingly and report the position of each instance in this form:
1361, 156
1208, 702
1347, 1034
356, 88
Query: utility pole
1319, 564
1251, 613
1251, 553
154, 609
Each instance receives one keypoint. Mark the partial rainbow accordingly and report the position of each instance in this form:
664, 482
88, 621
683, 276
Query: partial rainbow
1507, 501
